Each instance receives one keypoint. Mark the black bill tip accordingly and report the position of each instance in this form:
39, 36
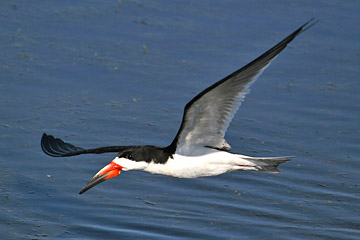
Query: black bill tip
93, 182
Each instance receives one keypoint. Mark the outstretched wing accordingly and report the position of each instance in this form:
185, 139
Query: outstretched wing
208, 115
55, 147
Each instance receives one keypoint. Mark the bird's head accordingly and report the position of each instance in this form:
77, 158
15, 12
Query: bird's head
130, 159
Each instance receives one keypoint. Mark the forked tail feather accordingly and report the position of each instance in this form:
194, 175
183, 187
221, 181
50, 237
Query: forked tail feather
268, 164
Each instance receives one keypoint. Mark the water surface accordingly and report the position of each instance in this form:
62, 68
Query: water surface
101, 73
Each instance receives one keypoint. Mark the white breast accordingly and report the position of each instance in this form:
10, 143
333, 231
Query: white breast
211, 164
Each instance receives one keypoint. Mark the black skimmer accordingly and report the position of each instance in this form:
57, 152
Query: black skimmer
199, 148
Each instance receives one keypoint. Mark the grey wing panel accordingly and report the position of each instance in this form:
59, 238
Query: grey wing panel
208, 118
208, 115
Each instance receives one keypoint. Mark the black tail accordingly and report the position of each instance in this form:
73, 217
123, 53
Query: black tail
268, 164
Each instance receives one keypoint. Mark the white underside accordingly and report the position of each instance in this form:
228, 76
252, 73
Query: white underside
210, 164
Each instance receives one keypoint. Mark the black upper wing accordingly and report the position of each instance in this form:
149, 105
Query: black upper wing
234, 87
55, 147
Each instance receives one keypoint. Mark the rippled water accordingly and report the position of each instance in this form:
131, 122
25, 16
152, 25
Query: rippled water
101, 73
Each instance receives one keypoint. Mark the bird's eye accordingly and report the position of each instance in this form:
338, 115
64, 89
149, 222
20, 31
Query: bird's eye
130, 156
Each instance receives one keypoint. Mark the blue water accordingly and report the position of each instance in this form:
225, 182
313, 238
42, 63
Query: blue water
100, 73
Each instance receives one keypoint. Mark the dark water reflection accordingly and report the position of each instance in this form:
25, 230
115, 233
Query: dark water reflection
104, 73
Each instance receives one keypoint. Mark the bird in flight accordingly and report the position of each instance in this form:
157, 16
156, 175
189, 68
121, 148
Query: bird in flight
199, 148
